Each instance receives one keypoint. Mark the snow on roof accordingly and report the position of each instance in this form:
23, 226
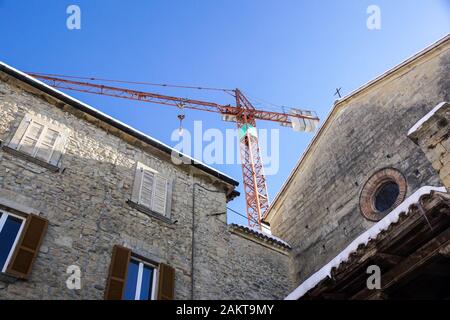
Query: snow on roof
261, 234
364, 238
419, 123
32, 79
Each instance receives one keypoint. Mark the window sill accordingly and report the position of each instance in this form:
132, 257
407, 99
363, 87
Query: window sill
6, 278
29, 158
149, 212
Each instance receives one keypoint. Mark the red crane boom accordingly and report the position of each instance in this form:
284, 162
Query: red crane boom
243, 113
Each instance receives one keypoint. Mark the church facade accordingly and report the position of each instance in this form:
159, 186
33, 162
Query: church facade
370, 191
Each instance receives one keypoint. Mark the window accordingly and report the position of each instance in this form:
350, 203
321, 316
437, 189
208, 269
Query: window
386, 196
39, 139
132, 278
10, 229
140, 281
20, 239
152, 190
382, 192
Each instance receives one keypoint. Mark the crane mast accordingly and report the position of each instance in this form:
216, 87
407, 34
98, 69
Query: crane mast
254, 179
244, 114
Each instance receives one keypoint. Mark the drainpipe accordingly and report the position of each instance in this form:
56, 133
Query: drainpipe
196, 184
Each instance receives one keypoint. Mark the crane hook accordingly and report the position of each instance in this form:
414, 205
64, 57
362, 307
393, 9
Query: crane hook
181, 117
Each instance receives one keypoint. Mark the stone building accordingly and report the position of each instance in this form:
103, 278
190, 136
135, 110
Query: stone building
365, 195
83, 196
91, 208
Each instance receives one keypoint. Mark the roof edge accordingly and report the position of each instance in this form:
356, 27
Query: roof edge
363, 239
261, 235
109, 120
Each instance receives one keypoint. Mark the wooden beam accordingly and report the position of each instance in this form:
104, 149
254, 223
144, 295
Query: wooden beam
387, 258
334, 296
379, 295
410, 264
438, 269
445, 251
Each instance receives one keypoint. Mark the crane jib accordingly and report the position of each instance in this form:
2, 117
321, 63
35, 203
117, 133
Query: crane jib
243, 114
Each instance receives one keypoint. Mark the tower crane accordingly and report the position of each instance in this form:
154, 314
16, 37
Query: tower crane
243, 113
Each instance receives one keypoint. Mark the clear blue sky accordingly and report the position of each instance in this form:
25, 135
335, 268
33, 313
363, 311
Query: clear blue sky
292, 53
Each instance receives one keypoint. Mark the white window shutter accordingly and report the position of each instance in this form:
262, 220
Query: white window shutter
18, 135
137, 183
147, 189
30, 141
47, 144
40, 139
169, 198
160, 194
59, 148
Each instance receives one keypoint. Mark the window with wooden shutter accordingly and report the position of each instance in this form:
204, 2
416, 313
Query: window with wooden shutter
118, 270
27, 247
131, 277
11, 226
166, 282
152, 190
39, 139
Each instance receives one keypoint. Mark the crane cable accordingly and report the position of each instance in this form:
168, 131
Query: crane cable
261, 102
134, 82
240, 214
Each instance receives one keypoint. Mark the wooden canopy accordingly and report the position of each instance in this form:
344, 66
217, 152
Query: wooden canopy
413, 255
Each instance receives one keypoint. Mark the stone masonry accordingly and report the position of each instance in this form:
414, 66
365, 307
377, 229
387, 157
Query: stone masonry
318, 211
86, 205
432, 134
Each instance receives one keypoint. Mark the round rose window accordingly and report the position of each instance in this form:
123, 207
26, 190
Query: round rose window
384, 191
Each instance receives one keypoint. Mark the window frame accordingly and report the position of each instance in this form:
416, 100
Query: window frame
15, 144
155, 177
39, 140
136, 197
141, 262
372, 186
3, 219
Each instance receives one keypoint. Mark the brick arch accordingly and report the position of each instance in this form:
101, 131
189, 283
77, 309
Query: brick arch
370, 188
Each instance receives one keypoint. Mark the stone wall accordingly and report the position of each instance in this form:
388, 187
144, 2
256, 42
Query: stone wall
227, 260
87, 211
432, 134
318, 213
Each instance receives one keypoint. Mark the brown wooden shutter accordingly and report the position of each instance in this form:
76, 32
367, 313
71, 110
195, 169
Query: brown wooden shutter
118, 270
166, 283
27, 247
